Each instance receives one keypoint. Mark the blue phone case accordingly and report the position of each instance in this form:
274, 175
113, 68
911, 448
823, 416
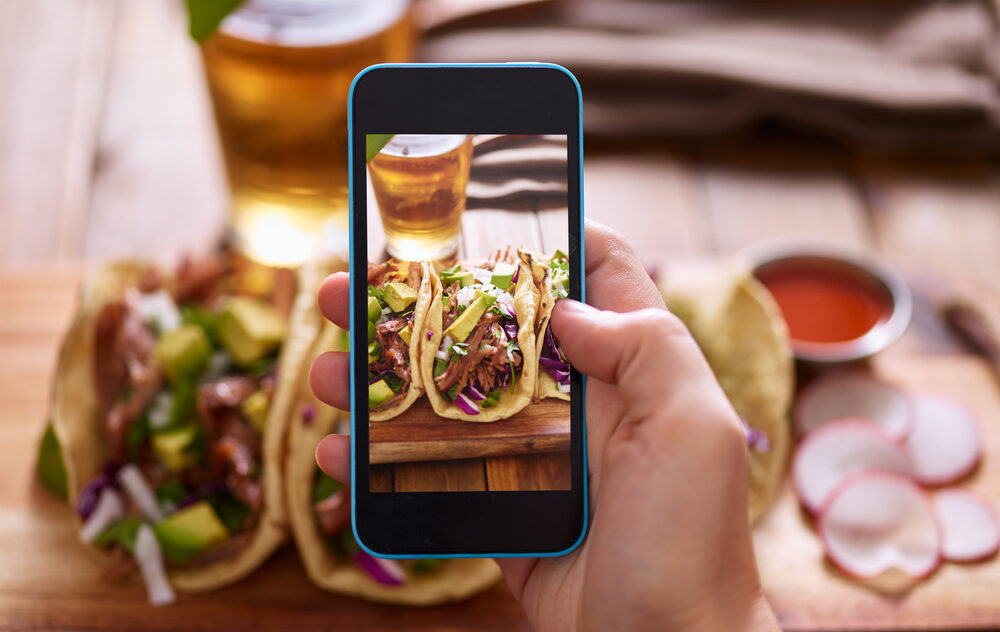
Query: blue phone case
583, 295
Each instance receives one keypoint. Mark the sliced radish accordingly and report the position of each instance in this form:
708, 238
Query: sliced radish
853, 394
880, 525
944, 443
831, 453
970, 529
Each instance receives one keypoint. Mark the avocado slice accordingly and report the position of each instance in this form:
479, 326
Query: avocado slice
378, 392
374, 309
502, 274
184, 352
171, 446
466, 321
405, 334
251, 329
464, 277
374, 351
490, 299
372, 332
189, 532
399, 296
255, 408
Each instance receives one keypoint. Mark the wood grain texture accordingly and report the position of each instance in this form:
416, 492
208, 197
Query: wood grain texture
442, 476
158, 175
418, 434
48, 580
54, 59
529, 472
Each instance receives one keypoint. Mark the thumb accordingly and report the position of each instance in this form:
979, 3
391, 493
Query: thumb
648, 354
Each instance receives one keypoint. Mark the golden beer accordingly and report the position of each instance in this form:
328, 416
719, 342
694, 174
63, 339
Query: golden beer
419, 183
279, 72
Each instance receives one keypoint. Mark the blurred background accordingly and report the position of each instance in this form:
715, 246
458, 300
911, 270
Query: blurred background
709, 126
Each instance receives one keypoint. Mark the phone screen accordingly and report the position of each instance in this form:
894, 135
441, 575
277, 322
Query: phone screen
471, 236
468, 389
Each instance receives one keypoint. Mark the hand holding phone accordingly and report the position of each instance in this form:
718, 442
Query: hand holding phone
669, 547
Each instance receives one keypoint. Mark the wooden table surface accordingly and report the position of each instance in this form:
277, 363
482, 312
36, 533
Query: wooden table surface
107, 150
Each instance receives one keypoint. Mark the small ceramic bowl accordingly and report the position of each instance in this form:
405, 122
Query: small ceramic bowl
866, 274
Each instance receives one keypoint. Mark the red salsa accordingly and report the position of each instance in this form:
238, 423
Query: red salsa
825, 305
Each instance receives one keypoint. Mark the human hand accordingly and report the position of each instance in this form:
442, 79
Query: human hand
669, 546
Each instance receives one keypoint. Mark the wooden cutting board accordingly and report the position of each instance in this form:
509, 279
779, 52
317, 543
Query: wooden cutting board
48, 581
418, 434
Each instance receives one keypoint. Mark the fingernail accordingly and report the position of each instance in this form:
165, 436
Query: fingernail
575, 307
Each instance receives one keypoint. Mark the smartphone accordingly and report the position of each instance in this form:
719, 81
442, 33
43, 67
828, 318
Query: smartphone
466, 227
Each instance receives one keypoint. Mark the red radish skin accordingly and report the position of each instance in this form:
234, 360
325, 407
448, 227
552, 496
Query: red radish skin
878, 524
944, 444
853, 393
970, 528
833, 452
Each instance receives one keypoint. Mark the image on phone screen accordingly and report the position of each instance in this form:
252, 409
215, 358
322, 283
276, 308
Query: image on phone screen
468, 389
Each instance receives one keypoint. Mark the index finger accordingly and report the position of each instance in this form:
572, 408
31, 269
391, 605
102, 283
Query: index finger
334, 299
616, 279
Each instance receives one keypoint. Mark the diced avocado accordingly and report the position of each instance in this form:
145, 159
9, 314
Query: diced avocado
464, 278
399, 296
503, 273
183, 352
171, 446
490, 299
255, 408
251, 329
378, 392
50, 469
374, 351
404, 333
466, 321
190, 531
372, 332
374, 309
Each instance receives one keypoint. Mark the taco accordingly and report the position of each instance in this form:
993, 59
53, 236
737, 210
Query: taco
739, 328
319, 512
478, 357
551, 281
168, 407
399, 294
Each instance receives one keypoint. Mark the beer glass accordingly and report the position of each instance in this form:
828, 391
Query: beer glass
419, 183
279, 72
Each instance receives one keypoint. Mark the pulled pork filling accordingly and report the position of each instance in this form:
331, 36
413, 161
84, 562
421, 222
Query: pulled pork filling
393, 287
183, 391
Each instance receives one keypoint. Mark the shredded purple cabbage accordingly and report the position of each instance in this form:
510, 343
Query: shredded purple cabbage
466, 405
308, 413
382, 571
189, 500
510, 328
517, 271
506, 310
505, 375
92, 492
430, 334
475, 393
757, 439
550, 347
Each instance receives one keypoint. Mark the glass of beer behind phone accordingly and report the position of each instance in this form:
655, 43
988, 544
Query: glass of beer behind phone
419, 181
279, 72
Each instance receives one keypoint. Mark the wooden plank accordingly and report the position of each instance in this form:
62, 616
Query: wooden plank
418, 434
553, 226
159, 188
484, 231
809, 594
797, 193
532, 472
938, 217
380, 478
42, 562
442, 476
54, 58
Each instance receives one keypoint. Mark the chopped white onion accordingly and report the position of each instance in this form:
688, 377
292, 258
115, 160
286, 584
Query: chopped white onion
392, 568
506, 299
482, 276
159, 310
109, 509
446, 343
150, 560
159, 412
441, 355
131, 480
465, 295
491, 289
563, 388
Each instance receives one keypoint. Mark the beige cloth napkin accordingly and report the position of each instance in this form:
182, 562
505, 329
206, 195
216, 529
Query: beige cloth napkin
901, 75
